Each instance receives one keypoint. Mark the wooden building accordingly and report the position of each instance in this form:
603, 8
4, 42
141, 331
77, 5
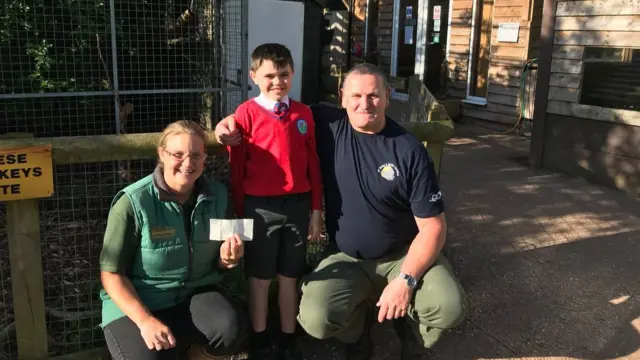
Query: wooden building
402, 37
492, 54
568, 68
587, 109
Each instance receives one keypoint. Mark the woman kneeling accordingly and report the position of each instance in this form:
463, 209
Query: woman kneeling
159, 269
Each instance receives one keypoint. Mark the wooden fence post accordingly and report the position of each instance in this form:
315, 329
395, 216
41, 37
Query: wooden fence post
23, 230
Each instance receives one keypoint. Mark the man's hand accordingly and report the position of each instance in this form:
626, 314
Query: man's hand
156, 335
394, 300
227, 133
231, 251
315, 226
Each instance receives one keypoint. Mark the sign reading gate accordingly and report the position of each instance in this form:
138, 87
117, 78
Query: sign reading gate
26, 173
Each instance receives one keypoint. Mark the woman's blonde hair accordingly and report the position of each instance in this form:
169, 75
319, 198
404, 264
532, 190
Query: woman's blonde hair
181, 127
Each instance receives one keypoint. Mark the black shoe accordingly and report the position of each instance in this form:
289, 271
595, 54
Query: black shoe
361, 349
410, 348
289, 350
266, 352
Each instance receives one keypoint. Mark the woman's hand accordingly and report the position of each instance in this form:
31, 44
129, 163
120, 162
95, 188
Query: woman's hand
156, 334
231, 251
315, 226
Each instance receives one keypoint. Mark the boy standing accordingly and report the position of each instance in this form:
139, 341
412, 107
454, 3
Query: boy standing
275, 180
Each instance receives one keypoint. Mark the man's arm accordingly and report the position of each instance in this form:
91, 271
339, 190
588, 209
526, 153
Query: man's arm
426, 246
428, 209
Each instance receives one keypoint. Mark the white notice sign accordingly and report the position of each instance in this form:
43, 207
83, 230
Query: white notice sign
221, 229
437, 10
408, 35
508, 32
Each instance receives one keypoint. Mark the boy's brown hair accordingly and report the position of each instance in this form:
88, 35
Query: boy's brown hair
274, 52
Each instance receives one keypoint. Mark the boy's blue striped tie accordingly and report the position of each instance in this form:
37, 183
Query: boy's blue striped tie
280, 108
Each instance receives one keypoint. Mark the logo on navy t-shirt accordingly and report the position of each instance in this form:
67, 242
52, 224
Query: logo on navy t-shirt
388, 171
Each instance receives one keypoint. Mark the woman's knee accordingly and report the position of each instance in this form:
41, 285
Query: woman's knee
221, 323
123, 344
229, 327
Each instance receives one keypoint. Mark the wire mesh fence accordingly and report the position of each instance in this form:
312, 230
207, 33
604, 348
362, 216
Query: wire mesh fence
94, 67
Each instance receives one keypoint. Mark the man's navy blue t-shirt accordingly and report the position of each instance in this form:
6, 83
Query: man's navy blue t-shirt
374, 185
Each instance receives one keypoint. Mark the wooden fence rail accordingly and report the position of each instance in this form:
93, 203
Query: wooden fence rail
23, 223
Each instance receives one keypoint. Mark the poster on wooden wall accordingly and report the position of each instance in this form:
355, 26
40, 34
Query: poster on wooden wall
508, 32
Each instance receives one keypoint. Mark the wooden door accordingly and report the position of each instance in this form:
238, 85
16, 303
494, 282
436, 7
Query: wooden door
481, 49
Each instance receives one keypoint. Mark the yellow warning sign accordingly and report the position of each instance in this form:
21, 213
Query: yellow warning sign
26, 173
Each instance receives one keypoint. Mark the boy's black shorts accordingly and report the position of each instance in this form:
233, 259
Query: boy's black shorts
280, 230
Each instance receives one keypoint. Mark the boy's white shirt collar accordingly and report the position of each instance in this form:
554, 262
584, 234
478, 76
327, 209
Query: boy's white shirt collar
269, 104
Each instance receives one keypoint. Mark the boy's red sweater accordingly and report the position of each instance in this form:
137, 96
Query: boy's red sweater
277, 155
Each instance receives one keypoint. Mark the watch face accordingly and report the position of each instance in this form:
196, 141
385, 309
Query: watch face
411, 281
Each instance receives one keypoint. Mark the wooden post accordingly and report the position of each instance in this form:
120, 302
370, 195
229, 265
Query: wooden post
23, 225
23, 229
536, 152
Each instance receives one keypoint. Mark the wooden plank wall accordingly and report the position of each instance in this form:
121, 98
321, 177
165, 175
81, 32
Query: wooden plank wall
334, 56
460, 38
385, 34
507, 59
358, 28
588, 23
597, 143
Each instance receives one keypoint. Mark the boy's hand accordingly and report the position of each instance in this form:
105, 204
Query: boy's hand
315, 226
227, 133
231, 251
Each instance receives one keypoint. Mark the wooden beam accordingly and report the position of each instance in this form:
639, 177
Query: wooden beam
565, 80
504, 90
618, 116
542, 87
564, 94
566, 66
503, 99
528, 14
568, 52
488, 115
25, 257
100, 148
435, 131
599, 23
598, 7
597, 38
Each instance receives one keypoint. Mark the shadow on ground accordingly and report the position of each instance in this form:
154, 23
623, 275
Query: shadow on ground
551, 263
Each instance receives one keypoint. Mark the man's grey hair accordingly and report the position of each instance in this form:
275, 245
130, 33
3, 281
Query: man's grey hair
367, 69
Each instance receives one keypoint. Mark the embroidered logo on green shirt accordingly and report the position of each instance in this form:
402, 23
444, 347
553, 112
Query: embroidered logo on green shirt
162, 232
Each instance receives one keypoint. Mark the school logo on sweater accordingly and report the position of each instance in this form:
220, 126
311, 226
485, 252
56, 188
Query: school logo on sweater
302, 126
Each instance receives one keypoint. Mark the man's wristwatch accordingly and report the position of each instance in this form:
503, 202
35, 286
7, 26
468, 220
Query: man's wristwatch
410, 280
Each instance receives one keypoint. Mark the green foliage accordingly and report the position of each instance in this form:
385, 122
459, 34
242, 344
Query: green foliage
53, 46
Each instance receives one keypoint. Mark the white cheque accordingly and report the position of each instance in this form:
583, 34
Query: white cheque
221, 229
